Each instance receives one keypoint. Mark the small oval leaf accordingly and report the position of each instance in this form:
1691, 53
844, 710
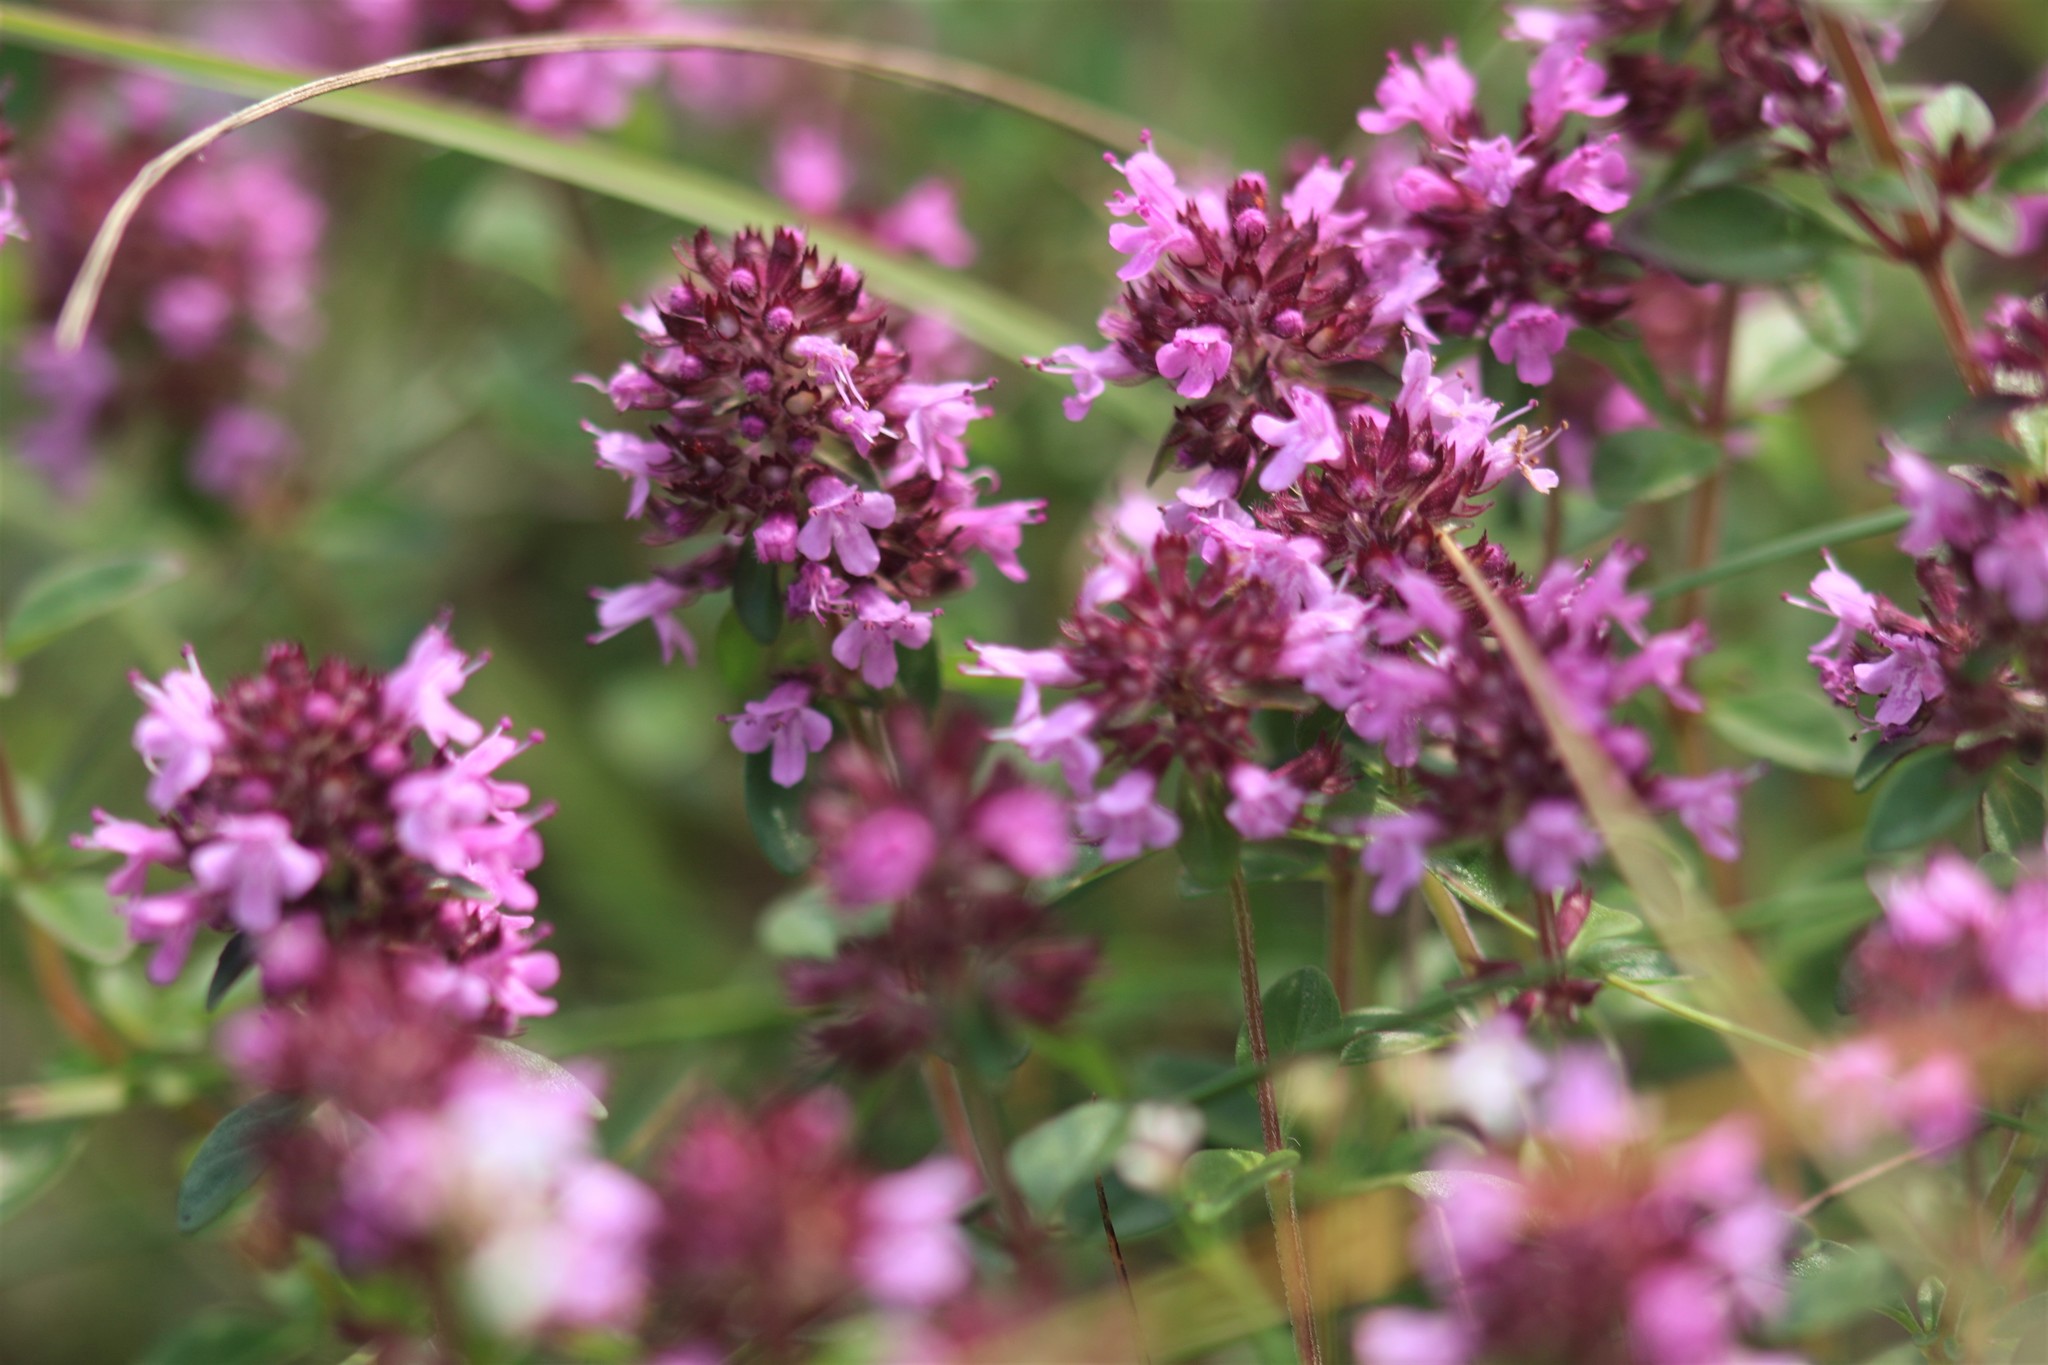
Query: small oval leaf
756, 595
1732, 232
1063, 1151
237, 956
1794, 728
1214, 1180
73, 594
78, 914
776, 815
233, 1157
1927, 795
34, 1157
1299, 1007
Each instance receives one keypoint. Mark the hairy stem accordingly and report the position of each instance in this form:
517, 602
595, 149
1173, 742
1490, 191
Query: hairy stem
1925, 246
1123, 1272
1288, 1243
1342, 897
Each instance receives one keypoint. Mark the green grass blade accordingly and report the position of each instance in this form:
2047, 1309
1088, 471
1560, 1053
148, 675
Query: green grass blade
1783, 548
992, 320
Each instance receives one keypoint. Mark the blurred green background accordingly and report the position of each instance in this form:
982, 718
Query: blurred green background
444, 468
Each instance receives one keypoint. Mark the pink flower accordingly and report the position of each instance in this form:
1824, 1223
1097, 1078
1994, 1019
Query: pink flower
1943, 510
935, 418
417, 691
831, 362
2016, 563
254, 864
912, 1253
775, 539
1552, 843
996, 530
630, 389
141, 846
465, 822
1062, 737
1197, 357
1907, 678
1125, 818
634, 457
1492, 169
1947, 901
785, 723
1936, 1102
861, 426
1315, 197
1527, 338
655, 601
178, 736
1563, 80
1156, 200
1263, 805
172, 921
1046, 667
238, 450
810, 170
1708, 806
292, 955
1027, 828
1596, 175
189, 314
1409, 1336
1676, 1315
881, 858
1587, 1103
2015, 951
816, 592
1313, 437
927, 219
1091, 371
1394, 851
868, 644
1435, 94
840, 520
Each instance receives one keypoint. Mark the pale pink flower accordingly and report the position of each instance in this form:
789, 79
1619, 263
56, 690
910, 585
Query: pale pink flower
1126, 819
1198, 358
255, 866
178, 735
784, 723
842, 520
868, 643
417, 691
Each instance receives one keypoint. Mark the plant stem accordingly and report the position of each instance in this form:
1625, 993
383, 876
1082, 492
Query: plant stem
1925, 246
1704, 1019
968, 1115
1123, 1272
1342, 898
1450, 917
46, 956
1860, 1178
1288, 1243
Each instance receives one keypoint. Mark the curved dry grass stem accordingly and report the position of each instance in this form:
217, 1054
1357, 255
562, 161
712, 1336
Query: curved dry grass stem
905, 66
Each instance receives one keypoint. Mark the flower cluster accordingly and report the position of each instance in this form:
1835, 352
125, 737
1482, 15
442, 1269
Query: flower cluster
1568, 1238
790, 434
195, 319
1970, 667
1516, 228
1950, 938
413, 1148
770, 1226
1749, 67
951, 851
1203, 613
312, 806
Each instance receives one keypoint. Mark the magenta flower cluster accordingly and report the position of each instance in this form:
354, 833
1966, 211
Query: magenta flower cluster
311, 806
789, 434
194, 327
1963, 669
1567, 1238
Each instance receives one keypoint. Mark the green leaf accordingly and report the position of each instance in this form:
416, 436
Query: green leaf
1300, 1006
1990, 220
992, 320
1929, 794
1214, 1180
2013, 814
1649, 464
221, 1337
1776, 356
1398, 1037
1065, 1150
1637, 962
2026, 173
237, 956
543, 1073
70, 595
756, 594
1834, 307
1956, 113
804, 923
34, 1157
232, 1157
78, 914
1795, 728
1878, 760
776, 814
1622, 355
1833, 1285
1209, 843
740, 656
1732, 233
